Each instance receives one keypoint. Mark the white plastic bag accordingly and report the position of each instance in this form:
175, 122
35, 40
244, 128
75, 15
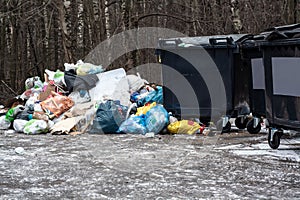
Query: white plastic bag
19, 125
80, 96
36, 126
4, 123
57, 77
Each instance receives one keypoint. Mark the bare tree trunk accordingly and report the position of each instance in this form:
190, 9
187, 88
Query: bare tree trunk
68, 57
195, 8
14, 52
236, 21
297, 11
2, 44
107, 19
102, 20
290, 14
73, 26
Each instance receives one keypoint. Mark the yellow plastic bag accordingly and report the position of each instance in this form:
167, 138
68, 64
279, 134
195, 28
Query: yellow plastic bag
144, 109
184, 126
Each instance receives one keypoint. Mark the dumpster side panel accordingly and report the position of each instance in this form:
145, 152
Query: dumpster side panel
282, 71
253, 62
223, 59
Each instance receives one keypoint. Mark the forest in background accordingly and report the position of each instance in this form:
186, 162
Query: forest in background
44, 34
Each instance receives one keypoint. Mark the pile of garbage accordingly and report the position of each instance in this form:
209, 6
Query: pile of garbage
86, 98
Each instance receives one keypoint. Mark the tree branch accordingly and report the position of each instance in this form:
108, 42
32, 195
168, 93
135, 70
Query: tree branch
164, 15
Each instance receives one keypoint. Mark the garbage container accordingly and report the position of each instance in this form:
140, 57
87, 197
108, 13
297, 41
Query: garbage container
281, 53
177, 53
252, 60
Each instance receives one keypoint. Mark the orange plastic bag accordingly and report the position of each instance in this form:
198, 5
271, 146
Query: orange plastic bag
57, 104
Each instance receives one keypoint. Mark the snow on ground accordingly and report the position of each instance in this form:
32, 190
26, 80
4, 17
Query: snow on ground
289, 150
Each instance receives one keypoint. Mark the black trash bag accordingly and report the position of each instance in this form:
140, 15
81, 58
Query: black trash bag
26, 114
77, 83
109, 117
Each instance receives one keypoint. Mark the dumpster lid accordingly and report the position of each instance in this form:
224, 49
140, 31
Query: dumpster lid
282, 32
214, 40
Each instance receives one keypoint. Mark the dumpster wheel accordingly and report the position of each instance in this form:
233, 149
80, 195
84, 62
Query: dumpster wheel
225, 129
274, 144
241, 122
251, 129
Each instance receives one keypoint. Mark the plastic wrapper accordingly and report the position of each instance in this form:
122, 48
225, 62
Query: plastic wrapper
143, 110
184, 127
156, 119
134, 125
19, 125
4, 123
57, 104
35, 126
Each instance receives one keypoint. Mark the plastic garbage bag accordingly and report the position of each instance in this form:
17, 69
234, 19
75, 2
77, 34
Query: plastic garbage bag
135, 82
13, 112
19, 125
156, 119
184, 126
109, 117
83, 69
111, 83
33, 82
31, 101
134, 125
33, 86
26, 114
81, 96
4, 123
155, 95
35, 126
57, 104
57, 77
77, 83
143, 110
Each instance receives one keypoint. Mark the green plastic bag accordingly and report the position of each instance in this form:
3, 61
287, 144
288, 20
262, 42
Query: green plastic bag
35, 126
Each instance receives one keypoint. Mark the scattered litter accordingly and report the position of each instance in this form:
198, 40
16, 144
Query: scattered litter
150, 135
10, 131
20, 150
4, 123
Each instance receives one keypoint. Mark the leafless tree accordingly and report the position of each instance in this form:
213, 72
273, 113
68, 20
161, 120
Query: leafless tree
35, 35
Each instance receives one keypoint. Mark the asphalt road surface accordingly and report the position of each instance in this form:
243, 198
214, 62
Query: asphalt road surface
228, 166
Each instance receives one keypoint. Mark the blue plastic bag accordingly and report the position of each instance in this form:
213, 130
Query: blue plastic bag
156, 119
134, 125
153, 96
